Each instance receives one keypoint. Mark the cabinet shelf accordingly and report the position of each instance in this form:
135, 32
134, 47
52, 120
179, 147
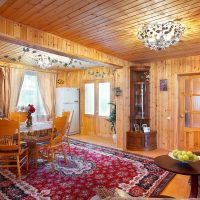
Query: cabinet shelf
140, 109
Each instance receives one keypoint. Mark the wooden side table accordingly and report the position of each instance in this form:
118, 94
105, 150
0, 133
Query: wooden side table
191, 169
141, 141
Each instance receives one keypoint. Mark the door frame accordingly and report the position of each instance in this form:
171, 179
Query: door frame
96, 99
179, 76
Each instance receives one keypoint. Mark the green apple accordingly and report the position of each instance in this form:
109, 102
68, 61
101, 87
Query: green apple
180, 157
186, 157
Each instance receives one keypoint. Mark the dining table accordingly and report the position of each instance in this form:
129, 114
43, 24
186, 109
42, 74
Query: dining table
39, 131
36, 133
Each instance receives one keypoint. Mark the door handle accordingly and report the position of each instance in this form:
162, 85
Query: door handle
181, 116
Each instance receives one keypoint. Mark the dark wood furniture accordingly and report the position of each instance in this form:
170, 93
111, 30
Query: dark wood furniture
141, 141
191, 169
137, 138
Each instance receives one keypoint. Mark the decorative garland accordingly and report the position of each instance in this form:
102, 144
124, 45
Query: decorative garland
99, 74
52, 61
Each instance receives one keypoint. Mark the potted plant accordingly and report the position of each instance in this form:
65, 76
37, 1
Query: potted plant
112, 120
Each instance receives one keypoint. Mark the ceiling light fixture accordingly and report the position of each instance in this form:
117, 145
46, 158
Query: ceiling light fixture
160, 36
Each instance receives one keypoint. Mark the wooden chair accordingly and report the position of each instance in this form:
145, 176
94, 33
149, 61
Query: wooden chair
70, 117
13, 153
47, 150
18, 116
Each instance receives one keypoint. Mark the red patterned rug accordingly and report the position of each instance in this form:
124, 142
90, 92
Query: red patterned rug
88, 166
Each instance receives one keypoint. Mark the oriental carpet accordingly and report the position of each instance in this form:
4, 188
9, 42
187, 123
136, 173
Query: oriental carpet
88, 167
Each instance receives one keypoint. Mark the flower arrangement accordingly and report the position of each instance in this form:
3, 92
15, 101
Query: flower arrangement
30, 108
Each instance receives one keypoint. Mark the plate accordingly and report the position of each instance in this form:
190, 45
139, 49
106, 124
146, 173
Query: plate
170, 154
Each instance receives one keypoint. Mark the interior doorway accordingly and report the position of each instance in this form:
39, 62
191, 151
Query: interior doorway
97, 96
189, 112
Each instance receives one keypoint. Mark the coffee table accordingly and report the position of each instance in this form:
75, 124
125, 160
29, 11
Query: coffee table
191, 169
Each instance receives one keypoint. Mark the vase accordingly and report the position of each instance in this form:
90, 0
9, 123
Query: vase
29, 120
114, 136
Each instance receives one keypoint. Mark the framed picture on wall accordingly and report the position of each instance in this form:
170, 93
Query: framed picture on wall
163, 85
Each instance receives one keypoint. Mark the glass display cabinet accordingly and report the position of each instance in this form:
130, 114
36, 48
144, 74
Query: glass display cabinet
140, 136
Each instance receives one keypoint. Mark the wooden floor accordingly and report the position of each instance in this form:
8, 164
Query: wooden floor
178, 187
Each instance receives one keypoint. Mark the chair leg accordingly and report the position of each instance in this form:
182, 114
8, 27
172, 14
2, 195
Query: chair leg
68, 144
63, 150
18, 168
52, 161
27, 161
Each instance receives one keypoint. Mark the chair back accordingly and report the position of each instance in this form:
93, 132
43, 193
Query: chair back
18, 116
9, 135
66, 114
69, 114
58, 130
70, 122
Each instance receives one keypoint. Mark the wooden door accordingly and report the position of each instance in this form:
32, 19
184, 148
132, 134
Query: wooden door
189, 112
94, 121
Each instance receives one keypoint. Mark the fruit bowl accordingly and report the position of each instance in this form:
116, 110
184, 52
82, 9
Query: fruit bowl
183, 157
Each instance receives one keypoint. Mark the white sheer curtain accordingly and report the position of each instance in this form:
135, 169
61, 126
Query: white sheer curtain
16, 80
11, 85
47, 85
30, 94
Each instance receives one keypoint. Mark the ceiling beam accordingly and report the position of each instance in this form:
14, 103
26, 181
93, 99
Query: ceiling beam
20, 34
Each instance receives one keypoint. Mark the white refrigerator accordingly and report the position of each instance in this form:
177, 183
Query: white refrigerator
67, 99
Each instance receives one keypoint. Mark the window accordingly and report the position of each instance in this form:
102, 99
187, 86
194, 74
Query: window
30, 94
104, 99
89, 98
101, 102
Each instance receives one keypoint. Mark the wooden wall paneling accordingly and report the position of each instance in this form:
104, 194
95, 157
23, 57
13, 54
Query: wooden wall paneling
164, 104
1, 90
122, 79
77, 79
22, 34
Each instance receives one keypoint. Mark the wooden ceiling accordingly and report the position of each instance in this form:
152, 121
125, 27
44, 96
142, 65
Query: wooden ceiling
19, 54
110, 25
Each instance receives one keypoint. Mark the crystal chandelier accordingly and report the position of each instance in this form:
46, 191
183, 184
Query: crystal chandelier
160, 36
43, 61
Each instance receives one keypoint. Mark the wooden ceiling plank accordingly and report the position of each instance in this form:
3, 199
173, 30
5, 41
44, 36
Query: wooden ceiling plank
113, 16
109, 26
87, 14
51, 8
36, 38
9, 11
112, 12
6, 5
31, 12
89, 17
107, 34
64, 16
143, 18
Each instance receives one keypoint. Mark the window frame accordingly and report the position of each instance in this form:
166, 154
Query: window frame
96, 95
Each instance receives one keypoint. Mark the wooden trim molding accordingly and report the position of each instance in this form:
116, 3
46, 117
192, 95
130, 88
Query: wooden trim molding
25, 35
